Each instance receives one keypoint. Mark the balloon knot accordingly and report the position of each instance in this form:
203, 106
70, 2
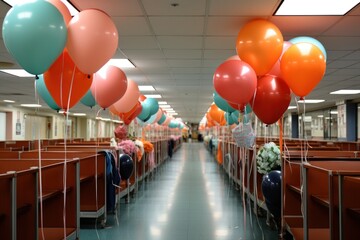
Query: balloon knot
36, 77
302, 98
88, 76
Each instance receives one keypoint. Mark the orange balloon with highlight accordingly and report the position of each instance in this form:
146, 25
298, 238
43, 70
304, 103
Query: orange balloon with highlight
303, 66
259, 43
216, 114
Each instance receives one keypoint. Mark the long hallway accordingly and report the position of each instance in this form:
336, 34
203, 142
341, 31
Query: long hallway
188, 197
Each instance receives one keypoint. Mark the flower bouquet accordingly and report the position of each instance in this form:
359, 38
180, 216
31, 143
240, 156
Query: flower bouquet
268, 158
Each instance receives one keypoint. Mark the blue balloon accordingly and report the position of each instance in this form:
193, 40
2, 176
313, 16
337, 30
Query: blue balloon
126, 166
162, 119
35, 34
173, 124
88, 99
45, 94
222, 103
271, 188
145, 112
152, 104
309, 40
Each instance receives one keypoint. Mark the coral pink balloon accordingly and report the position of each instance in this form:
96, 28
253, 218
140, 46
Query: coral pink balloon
158, 115
235, 57
92, 39
62, 9
109, 85
235, 81
275, 70
130, 98
167, 121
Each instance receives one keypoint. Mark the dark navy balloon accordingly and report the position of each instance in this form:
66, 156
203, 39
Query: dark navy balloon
271, 188
126, 166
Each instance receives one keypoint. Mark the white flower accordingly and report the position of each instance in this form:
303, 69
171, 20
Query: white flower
268, 158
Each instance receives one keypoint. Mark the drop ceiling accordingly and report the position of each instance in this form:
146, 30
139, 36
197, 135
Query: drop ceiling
177, 49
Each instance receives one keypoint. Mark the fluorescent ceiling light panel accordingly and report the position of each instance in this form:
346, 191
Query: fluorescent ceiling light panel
320, 116
165, 106
315, 7
8, 101
162, 103
17, 72
346, 91
170, 111
31, 105
120, 62
291, 107
153, 96
311, 101
72, 9
173, 114
79, 114
146, 88
334, 112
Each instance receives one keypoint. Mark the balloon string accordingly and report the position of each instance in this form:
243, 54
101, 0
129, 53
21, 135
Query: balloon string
61, 81
41, 192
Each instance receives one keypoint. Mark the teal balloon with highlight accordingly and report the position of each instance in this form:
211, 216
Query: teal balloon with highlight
162, 119
229, 119
145, 112
45, 94
305, 39
88, 99
151, 104
35, 34
222, 103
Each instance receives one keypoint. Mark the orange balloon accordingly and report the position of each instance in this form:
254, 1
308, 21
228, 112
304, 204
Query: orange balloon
65, 82
142, 98
259, 43
216, 113
126, 115
303, 66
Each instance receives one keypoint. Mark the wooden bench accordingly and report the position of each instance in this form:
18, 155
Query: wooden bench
28, 213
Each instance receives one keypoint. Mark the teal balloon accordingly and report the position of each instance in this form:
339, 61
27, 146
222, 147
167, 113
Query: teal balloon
45, 94
145, 112
229, 119
88, 99
35, 34
151, 119
222, 103
162, 119
248, 109
235, 115
173, 124
310, 40
152, 104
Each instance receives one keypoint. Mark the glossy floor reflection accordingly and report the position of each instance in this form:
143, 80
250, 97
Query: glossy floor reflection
188, 198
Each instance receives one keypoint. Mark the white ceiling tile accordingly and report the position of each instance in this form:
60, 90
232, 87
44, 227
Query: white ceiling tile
352, 56
336, 54
138, 42
185, 7
144, 54
184, 63
227, 43
155, 63
345, 27
112, 7
186, 70
341, 64
225, 26
243, 7
193, 77
339, 43
183, 54
303, 25
180, 42
347, 71
178, 26
218, 54
132, 26
212, 63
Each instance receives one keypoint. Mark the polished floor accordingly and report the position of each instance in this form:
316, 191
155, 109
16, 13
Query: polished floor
187, 198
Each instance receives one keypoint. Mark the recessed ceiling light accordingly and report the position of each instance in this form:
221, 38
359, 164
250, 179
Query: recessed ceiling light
334, 112
291, 107
346, 91
165, 106
311, 101
72, 9
146, 88
315, 7
162, 103
17, 72
79, 114
153, 96
120, 62
8, 101
30, 105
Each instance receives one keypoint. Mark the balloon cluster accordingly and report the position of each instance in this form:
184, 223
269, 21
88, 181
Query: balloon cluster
69, 53
265, 72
